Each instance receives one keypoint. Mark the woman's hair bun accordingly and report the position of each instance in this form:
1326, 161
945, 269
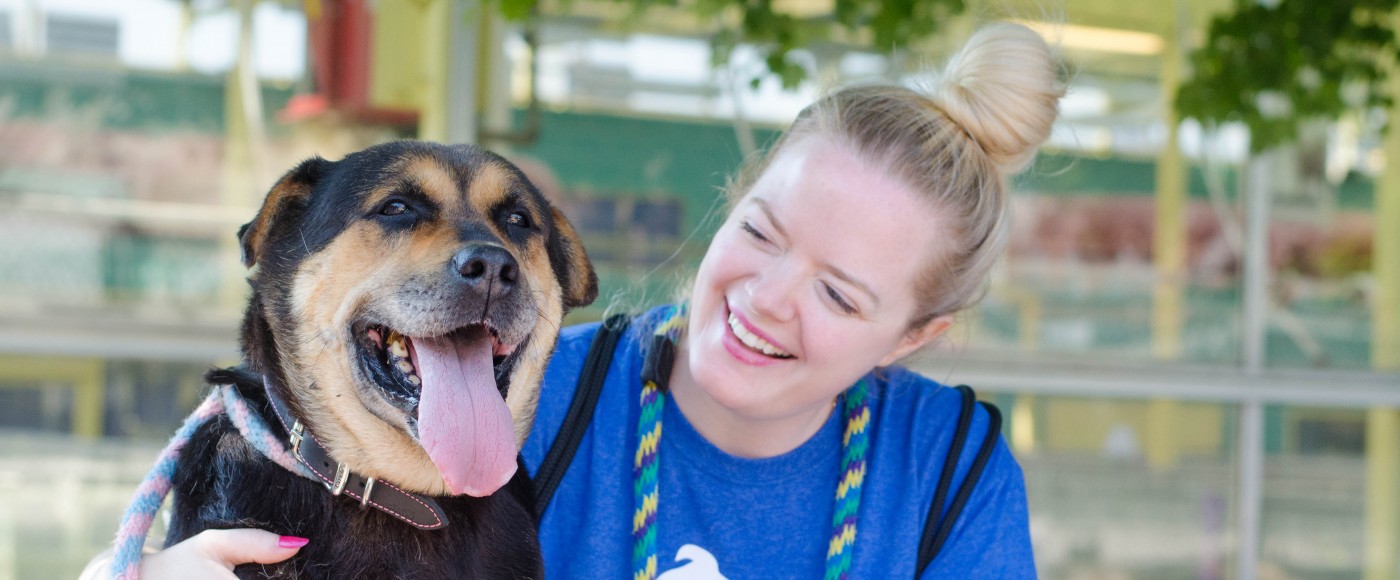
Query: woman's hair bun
1003, 88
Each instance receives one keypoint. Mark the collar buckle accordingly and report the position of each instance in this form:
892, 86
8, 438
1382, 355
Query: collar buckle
369, 488
342, 475
295, 437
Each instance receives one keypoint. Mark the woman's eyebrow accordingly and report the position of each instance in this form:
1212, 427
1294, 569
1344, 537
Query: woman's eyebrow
847, 278
768, 211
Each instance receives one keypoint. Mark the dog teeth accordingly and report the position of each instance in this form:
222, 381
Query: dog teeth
398, 348
397, 345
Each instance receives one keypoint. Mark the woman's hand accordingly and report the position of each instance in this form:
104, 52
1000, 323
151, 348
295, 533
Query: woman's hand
209, 554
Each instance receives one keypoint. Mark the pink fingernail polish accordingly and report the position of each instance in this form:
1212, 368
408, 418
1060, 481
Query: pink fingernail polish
291, 542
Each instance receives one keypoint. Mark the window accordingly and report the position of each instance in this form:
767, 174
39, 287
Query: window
82, 35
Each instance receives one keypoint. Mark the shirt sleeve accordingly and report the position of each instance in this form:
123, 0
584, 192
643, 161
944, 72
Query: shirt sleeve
991, 538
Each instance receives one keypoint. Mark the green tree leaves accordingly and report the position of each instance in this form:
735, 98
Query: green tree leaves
777, 30
1272, 67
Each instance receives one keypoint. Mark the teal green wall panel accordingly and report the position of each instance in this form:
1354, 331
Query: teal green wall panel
123, 99
607, 155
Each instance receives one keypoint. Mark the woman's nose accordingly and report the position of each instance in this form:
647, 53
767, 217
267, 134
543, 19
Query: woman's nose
772, 291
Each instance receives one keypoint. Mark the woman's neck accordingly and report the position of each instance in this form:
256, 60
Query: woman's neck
735, 433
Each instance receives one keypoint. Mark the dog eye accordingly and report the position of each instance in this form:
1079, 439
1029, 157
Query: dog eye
393, 208
518, 219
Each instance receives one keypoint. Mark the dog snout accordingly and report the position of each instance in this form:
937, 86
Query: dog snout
487, 266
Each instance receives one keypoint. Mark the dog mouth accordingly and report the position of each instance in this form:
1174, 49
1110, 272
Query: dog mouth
390, 358
453, 388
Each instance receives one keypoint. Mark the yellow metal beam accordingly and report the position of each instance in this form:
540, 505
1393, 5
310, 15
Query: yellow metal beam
1162, 434
1382, 477
397, 64
1385, 263
86, 376
1169, 231
241, 185
1023, 414
1023, 425
1169, 261
432, 116
1383, 425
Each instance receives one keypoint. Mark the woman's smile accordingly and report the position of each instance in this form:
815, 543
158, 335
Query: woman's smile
750, 345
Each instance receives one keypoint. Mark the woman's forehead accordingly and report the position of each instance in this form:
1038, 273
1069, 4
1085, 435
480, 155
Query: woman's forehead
838, 184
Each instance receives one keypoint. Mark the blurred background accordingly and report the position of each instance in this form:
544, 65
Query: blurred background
1195, 338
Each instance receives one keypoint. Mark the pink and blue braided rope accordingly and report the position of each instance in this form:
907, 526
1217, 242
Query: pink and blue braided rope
855, 442
150, 494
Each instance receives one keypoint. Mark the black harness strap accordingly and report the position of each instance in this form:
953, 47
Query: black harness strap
590, 385
937, 529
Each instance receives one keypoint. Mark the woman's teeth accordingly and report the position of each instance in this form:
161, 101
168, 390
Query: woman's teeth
753, 341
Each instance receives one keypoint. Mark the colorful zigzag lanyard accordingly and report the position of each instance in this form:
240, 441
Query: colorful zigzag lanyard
854, 444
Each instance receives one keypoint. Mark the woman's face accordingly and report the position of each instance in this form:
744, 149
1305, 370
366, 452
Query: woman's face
809, 284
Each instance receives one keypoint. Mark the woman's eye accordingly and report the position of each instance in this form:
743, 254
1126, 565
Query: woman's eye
753, 231
518, 219
393, 208
840, 302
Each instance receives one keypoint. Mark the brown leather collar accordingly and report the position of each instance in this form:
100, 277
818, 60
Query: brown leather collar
418, 510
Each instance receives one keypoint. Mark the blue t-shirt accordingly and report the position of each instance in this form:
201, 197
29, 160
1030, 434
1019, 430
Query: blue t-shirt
770, 518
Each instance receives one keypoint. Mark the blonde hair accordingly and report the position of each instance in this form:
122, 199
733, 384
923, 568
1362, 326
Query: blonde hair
954, 137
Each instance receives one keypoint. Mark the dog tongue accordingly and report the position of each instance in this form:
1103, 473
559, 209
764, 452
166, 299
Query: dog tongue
463, 423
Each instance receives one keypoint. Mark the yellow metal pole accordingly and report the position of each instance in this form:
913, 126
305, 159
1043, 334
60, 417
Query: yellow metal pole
1023, 425
1169, 261
241, 136
89, 390
237, 192
182, 36
1382, 477
1385, 330
433, 110
1383, 425
86, 376
1169, 232
1023, 414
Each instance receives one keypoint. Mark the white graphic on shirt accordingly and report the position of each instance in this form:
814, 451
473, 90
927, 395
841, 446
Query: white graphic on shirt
699, 565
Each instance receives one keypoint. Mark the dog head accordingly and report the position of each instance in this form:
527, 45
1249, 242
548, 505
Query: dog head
414, 292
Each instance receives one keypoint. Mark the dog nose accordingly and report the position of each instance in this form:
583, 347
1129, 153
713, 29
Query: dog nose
486, 263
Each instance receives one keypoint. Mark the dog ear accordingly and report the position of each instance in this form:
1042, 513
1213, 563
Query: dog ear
571, 265
293, 188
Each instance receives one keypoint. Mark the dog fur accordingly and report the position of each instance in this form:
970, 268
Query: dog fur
331, 255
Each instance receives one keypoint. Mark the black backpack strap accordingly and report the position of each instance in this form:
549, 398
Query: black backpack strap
936, 529
590, 385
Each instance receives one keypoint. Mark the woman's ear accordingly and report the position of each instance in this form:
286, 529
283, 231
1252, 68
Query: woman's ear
918, 337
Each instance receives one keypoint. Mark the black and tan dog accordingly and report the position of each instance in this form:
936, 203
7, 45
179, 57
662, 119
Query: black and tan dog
405, 302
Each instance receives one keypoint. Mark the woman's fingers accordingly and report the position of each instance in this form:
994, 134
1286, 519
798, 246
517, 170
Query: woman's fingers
242, 546
213, 554
209, 554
